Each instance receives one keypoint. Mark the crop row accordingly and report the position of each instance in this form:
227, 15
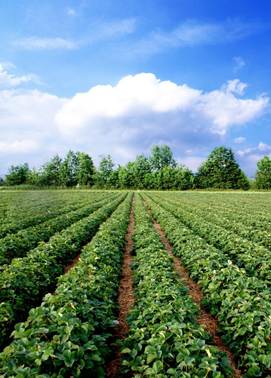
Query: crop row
17, 245
28, 279
164, 339
253, 257
16, 205
242, 304
247, 226
239, 203
33, 216
71, 332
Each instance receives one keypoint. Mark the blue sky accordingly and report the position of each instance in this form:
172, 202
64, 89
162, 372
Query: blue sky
116, 77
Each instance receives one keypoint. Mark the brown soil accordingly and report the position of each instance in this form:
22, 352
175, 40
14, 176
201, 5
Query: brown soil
126, 300
70, 265
205, 318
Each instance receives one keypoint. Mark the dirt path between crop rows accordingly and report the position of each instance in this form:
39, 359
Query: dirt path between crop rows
126, 300
205, 318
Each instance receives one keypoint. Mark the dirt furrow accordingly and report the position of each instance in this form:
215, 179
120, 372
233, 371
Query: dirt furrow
125, 299
205, 318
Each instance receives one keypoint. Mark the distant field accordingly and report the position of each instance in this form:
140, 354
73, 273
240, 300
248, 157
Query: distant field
62, 254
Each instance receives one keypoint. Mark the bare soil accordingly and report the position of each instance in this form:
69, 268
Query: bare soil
125, 299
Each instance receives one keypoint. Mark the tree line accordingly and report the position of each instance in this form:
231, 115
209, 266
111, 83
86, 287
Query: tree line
159, 171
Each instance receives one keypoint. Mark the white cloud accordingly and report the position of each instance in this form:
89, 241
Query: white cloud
143, 102
193, 162
37, 43
248, 158
71, 12
225, 110
239, 63
124, 121
114, 28
193, 32
262, 149
27, 128
239, 140
9, 80
234, 86
19, 146
97, 32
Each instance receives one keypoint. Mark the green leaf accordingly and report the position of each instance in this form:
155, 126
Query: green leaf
151, 357
38, 362
96, 357
126, 350
157, 366
182, 354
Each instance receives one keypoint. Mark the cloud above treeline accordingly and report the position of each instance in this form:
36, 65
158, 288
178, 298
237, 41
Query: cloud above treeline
123, 121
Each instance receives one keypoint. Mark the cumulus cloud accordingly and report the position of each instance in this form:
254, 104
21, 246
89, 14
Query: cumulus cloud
224, 109
124, 120
239, 140
250, 156
262, 149
143, 102
19, 146
27, 127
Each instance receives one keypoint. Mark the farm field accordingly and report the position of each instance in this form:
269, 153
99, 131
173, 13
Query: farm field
135, 284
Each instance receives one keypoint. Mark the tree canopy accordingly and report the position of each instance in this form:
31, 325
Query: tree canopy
159, 171
17, 175
263, 173
220, 170
161, 157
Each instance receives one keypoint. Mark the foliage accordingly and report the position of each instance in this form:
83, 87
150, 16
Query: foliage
263, 173
17, 175
17, 245
104, 176
50, 172
28, 279
68, 170
221, 171
161, 157
85, 170
237, 295
69, 335
159, 171
164, 339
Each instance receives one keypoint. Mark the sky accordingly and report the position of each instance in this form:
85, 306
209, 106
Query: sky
117, 77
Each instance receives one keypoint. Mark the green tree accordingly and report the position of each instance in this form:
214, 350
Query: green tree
34, 177
68, 170
85, 169
183, 178
140, 168
263, 173
50, 171
106, 166
162, 157
102, 176
220, 170
17, 175
126, 176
